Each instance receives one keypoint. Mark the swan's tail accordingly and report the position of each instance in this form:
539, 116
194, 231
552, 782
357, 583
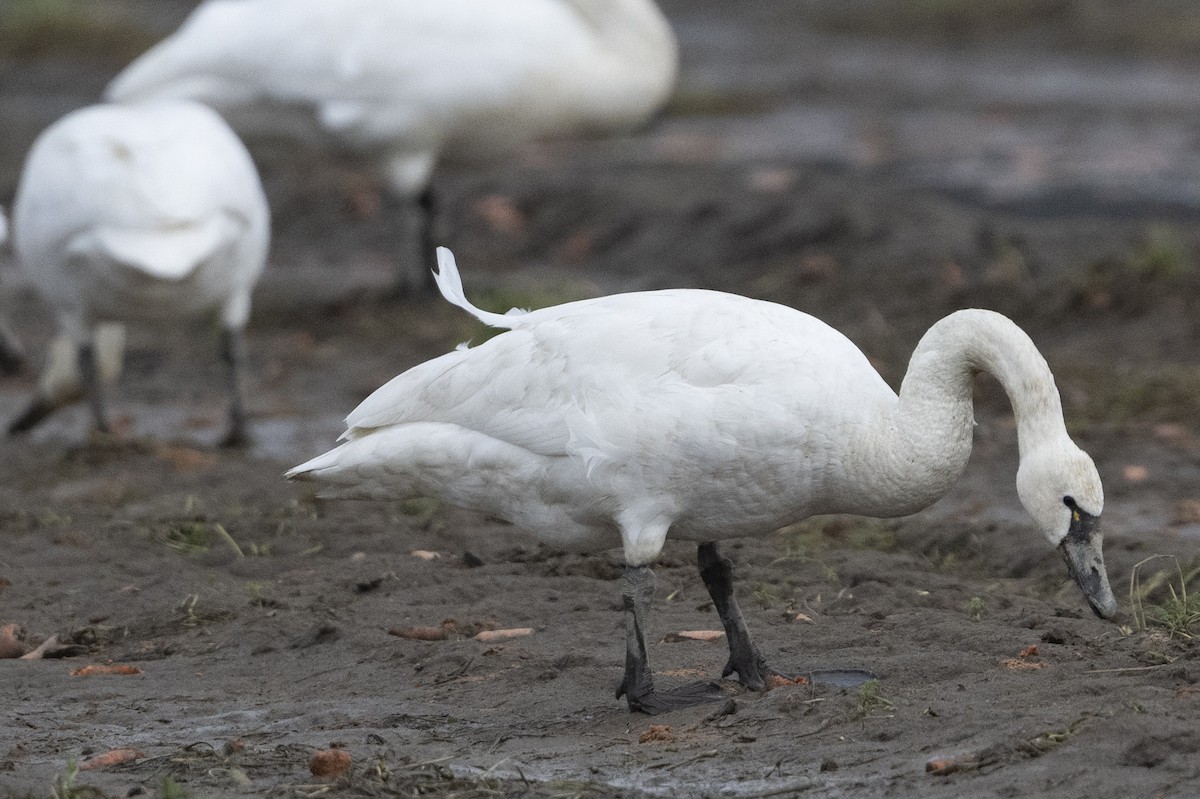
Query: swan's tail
343, 474
450, 284
311, 470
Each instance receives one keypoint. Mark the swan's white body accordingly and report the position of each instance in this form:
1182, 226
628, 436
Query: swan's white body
700, 414
148, 212
411, 81
141, 212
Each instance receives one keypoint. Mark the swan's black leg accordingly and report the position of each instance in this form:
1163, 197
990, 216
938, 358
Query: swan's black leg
414, 268
744, 657
638, 685
90, 378
233, 353
11, 357
32, 416
427, 202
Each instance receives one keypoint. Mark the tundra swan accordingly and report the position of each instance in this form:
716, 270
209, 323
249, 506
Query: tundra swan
704, 416
409, 82
145, 212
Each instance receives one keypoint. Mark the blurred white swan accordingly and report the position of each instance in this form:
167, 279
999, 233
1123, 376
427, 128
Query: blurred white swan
149, 212
702, 415
409, 82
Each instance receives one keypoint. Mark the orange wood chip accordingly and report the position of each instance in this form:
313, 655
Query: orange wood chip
694, 635
186, 459
1135, 473
1016, 664
779, 681
419, 633
657, 732
1029, 651
941, 766
10, 646
329, 763
105, 668
492, 636
114, 757
500, 213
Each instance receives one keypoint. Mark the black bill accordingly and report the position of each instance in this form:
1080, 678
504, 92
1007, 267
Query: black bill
1081, 549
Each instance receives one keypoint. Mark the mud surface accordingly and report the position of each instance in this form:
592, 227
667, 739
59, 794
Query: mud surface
878, 183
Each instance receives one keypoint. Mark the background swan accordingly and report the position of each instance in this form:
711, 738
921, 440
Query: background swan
408, 82
703, 416
148, 212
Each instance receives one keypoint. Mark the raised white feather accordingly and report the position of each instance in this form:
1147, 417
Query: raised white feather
412, 81
142, 212
697, 414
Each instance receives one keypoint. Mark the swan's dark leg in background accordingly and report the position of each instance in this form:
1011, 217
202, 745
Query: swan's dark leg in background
638, 685
744, 657
11, 356
89, 376
418, 229
38, 410
233, 353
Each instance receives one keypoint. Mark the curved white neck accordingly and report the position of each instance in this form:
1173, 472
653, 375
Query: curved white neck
920, 448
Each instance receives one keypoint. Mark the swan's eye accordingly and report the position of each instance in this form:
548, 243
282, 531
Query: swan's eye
1070, 503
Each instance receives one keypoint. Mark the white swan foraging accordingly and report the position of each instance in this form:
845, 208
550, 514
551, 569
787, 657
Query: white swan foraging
149, 212
702, 415
410, 82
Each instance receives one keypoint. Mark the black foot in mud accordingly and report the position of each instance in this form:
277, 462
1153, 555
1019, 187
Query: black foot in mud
690, 695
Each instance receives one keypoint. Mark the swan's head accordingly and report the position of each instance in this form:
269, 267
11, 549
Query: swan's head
1060, 488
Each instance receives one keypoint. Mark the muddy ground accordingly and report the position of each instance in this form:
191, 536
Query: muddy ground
876, 175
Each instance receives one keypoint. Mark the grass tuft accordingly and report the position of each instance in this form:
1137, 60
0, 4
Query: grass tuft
1177, 611
871, 701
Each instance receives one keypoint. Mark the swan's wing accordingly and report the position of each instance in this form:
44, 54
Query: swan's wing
498, 389
606, 377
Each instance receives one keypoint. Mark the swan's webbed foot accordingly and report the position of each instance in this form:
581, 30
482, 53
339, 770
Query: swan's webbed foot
638, 685
744, 658
654, 702
750, 666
